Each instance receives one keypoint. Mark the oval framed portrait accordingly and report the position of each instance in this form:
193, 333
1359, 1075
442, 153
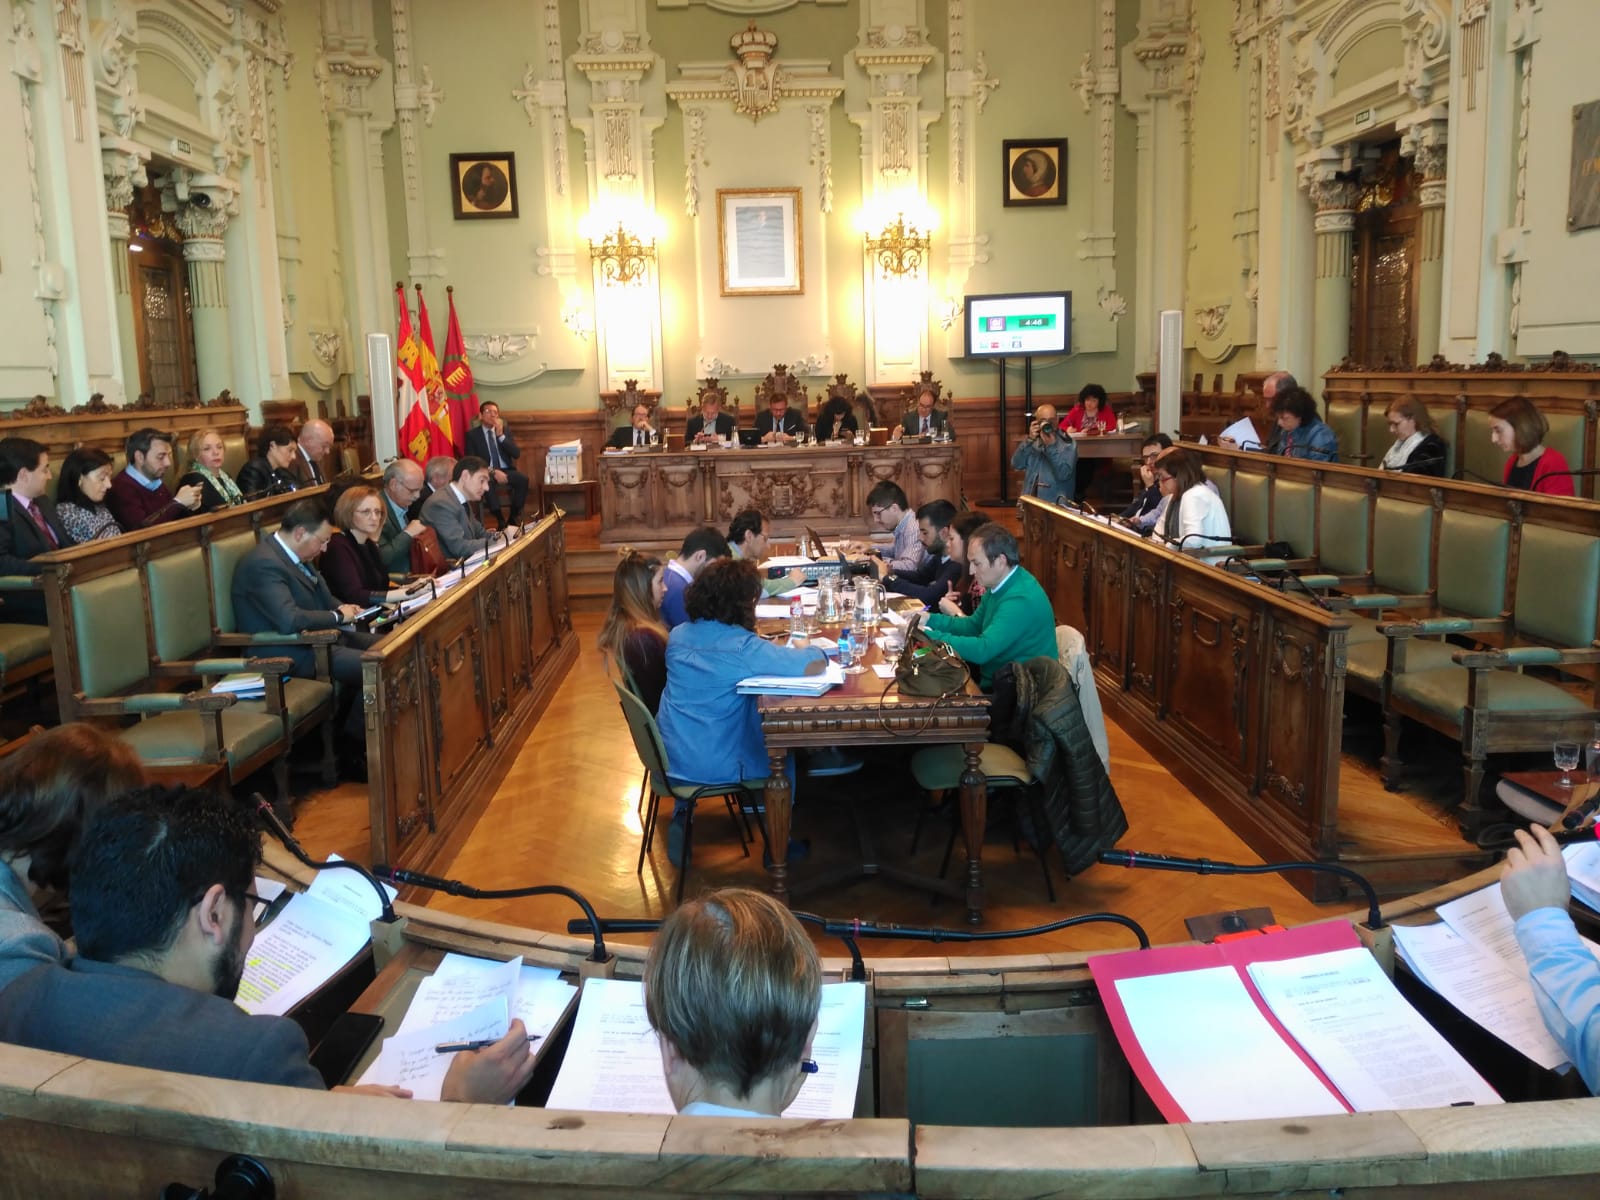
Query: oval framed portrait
1034, 171
483, 185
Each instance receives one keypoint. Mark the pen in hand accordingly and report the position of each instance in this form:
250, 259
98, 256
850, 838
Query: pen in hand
480, 1044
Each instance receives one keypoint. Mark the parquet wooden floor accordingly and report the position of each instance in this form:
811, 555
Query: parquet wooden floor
565, 813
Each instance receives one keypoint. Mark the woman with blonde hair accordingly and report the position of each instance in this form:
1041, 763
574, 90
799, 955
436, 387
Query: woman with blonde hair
1417, 449
352, 564
48, 790
217, 488
634, 635
732, 987
1518, 428
1194, 511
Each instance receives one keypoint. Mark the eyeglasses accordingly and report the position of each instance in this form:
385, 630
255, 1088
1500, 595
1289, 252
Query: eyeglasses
1152, 456
369, 511
878, 512
1161, 478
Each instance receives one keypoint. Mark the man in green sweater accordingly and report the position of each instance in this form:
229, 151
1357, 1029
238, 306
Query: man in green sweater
747, 538
1013, 622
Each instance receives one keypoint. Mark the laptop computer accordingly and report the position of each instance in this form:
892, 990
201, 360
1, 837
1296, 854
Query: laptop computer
749, 437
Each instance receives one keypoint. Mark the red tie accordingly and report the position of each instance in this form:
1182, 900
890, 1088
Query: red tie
44, 526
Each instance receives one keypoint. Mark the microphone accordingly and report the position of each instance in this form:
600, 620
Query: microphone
1205, 866
454, 887
1202, 537
1476, 478
281, 832
1562, 475
505, 542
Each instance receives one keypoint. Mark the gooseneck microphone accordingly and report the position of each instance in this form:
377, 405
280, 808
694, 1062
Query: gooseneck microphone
454, 887
848, 931
1205, 866
281, 832
1198, 537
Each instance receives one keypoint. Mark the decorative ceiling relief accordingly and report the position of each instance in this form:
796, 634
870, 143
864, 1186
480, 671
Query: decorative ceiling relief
758, 83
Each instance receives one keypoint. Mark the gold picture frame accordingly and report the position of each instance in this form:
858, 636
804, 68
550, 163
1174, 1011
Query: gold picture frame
760, 243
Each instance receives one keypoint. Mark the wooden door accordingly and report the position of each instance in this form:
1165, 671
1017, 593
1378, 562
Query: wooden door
1385, 254
162, 322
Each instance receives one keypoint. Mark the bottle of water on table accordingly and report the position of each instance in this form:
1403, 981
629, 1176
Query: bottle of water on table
797, 619
847, 647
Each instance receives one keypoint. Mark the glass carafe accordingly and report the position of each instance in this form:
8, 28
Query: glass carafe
828, 600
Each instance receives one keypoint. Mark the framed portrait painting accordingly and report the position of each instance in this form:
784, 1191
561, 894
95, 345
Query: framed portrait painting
484, 186
759, 246
1034, 171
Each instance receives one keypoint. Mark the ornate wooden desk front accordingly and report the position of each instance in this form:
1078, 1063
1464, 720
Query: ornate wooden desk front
656, 496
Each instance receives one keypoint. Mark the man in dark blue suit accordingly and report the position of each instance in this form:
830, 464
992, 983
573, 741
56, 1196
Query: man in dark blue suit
28, 523
780, 424
162, 911
712, 424
491, 441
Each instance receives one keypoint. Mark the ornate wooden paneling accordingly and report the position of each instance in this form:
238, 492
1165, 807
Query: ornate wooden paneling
1146, 648
662, 496
1111, 601
1209, 659
450, 691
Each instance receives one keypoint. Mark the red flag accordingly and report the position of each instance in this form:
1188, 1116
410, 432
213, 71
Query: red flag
417, 434
454, 442
457, 373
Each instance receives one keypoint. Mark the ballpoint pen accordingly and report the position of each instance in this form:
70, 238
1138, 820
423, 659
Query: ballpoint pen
480, 1044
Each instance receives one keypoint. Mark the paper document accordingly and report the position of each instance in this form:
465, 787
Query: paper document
787, 561
1175, 1018
793, 685
613, 1062
1243, 431
309, 942
771, 612
883, 670
1483, 987
1378, 1050
412, 1060
1583, 871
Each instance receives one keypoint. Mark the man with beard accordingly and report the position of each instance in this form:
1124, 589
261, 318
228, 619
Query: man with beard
162, 914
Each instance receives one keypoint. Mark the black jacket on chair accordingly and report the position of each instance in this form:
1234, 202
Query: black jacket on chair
1036, 712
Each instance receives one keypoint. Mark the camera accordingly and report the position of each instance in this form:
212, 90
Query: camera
200, 199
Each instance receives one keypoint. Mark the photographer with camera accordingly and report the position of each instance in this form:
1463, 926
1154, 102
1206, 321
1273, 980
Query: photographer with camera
1047, 458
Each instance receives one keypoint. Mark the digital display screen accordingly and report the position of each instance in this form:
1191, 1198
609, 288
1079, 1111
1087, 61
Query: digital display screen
1018, 325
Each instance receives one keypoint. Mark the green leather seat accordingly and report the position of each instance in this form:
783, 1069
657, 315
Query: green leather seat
180, 737
22, 644
939, 768
1368, 659
1444, 691
301, 697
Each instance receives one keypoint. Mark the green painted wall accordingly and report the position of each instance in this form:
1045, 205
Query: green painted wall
1379, 51
163, 79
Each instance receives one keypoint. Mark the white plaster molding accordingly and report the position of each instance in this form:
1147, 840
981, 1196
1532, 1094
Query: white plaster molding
747, 8
1211, 320
966, 89
820, 363
498, 348
116, 80
545, 87
1512, 244
28, 66
1472, 48
694, 156
715, 368
326, 345
69, 37
1113, 304
763, 92
123, 166
1425, 31
821, 154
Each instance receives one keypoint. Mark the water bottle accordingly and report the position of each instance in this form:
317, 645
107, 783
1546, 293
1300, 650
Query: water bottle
797, 619
1591, 757
847, 646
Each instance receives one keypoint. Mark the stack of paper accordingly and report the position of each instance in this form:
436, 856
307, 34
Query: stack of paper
793, 685
1291, 1024
467, 999
244, 686
1472, 959
318, 932
613, 1062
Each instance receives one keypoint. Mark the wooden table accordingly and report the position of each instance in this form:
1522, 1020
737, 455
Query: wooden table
1544, 785
1114, 446
861, 714
659, 496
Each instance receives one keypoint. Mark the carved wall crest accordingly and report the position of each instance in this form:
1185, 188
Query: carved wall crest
755, 80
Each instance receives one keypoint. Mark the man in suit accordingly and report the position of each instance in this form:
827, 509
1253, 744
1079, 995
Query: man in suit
448, 511
925, 420
276, 588
699, 547
162, 911
491, 441
311, 449
402, 484
780, 423
1014, 621
435, 475
28, 523
712, 425
937, 577
138, 497
636, 433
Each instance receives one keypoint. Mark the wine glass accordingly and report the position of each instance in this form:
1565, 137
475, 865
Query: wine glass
1566, 755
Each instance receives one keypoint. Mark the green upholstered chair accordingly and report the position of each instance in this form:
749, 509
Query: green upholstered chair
112, 677
1247, 514
1344, 418
1487, 697
235, 453
24, 653
1402, 541
653, 757
938, 771
180, 617
223, 556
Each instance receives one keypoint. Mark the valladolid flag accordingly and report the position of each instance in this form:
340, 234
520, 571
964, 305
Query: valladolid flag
457, 373
451, 440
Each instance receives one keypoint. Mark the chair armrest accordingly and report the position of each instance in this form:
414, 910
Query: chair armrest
148, 703
1433, 626
311, 637
223, 666
1380, 601
1526, 656
21, 583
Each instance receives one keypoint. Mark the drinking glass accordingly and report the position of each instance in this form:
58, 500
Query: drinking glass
893, 645
1566, 755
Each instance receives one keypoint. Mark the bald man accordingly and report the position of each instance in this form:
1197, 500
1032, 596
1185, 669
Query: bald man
316, 439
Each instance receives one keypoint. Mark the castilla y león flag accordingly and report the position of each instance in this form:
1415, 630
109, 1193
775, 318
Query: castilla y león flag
458, 386
417, 433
